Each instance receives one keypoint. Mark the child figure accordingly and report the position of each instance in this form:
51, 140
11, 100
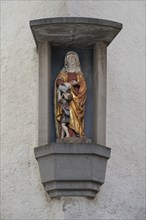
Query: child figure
64, 97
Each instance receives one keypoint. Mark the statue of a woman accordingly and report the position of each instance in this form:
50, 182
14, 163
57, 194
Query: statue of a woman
70, 98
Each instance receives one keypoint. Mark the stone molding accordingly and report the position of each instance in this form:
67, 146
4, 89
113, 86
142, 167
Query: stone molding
74, 31
72, 169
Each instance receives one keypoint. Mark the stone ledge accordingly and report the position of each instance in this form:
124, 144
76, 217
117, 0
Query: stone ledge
72, 169
69, 148
73, 140
74, 31
75, 20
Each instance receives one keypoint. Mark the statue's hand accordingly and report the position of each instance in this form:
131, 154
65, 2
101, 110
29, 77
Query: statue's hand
74, 82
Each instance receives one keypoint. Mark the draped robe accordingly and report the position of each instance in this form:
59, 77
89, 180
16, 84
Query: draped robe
76, 106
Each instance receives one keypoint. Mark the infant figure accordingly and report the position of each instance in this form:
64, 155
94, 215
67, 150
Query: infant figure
64, 97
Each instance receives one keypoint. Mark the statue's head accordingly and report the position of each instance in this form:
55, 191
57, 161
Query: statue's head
72, 62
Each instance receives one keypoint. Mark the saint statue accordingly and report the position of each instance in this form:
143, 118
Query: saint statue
70, 98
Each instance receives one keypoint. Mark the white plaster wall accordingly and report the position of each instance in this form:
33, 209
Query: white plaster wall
122, 195
22, 194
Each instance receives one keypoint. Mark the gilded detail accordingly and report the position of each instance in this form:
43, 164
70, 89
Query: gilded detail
70, 98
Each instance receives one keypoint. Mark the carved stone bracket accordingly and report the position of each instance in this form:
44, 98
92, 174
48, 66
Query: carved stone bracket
72, 169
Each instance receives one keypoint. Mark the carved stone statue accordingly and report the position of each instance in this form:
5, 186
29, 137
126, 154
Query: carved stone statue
70, 98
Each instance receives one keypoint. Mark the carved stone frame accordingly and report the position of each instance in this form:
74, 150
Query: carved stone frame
74, 32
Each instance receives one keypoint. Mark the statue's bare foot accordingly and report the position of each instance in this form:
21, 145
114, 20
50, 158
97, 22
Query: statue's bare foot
67, 136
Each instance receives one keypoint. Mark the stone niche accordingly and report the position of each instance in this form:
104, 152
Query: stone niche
73, 169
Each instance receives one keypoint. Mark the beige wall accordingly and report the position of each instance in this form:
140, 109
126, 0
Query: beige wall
122, 195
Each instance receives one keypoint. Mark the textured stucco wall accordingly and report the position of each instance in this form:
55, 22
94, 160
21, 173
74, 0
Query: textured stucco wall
22, 194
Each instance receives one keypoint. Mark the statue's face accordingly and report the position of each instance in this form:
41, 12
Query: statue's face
71, 60
72, 63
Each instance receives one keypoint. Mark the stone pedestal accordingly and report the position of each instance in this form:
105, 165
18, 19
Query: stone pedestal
73, 140
72, 169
